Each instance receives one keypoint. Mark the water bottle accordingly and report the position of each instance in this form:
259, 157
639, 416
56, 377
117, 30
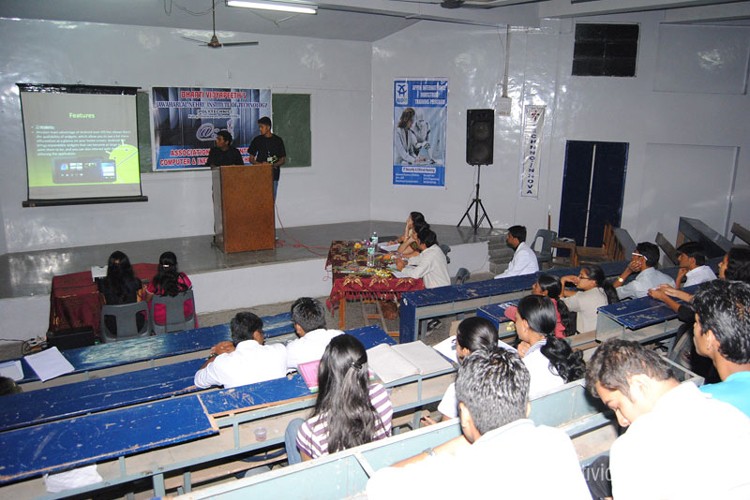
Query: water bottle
371, 246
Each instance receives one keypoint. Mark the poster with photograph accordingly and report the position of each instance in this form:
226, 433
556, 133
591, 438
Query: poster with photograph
419, 124
187, 119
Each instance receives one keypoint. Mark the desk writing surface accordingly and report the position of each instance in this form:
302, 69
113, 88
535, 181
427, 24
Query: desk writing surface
65, 401
642, 312
63, 445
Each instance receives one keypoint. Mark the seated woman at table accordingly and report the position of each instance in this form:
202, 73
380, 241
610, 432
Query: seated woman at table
551, 361
168, 281
473, 333
408, 246
120, 286
349, 411
593, 292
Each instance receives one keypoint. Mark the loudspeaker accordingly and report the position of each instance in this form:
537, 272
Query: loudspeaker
480, 136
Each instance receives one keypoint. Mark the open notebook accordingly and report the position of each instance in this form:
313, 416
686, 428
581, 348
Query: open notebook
391, 363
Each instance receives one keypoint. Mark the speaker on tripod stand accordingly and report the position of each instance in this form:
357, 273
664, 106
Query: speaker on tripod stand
480, 141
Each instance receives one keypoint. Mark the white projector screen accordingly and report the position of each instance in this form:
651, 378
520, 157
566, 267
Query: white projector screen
81, 144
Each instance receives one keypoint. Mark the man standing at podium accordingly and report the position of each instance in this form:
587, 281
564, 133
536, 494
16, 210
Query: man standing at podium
268, 148
223, 153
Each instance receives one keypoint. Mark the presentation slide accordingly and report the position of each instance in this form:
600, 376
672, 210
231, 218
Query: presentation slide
80, 145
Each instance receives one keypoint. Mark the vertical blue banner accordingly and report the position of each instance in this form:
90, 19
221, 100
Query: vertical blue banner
419, 124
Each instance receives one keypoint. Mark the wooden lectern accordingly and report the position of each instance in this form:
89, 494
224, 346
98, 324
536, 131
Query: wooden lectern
243, 207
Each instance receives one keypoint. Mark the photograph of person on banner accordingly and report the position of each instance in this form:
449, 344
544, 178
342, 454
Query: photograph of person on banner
411, 144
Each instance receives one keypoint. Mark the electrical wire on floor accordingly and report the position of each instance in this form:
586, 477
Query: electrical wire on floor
298, 244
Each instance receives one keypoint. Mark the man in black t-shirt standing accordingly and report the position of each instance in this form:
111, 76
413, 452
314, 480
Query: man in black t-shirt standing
268, 148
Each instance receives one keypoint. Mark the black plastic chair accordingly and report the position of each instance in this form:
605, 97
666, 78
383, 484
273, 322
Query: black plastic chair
175, 308
126, 321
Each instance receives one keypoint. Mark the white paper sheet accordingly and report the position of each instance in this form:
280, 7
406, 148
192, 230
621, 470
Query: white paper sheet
11, 369
49, 364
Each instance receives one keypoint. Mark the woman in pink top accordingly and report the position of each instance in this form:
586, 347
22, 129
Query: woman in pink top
169, 281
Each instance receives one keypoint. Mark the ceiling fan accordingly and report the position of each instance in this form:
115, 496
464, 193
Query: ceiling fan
214, 42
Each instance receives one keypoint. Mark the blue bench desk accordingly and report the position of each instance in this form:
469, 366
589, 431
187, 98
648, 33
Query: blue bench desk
90, 396
644, 320
147, 352
447, 300
170, 443
496, 314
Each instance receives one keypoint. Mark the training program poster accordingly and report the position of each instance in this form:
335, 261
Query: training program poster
187, 119
419, 124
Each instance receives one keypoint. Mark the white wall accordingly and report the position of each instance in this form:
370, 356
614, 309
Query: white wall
578, 108
335, 73
352, 121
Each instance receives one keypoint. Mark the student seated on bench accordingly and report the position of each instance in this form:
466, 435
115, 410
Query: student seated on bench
644, 261
722, 334
169, 281
500, 454
309, 320
691, 257
550, 286
244, 360
680, 443
472, 334
550, 361
349, 411
593, 292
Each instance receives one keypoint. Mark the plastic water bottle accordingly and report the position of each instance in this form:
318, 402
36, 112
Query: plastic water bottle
371, 246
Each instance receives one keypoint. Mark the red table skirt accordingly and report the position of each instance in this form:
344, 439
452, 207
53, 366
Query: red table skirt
350, 284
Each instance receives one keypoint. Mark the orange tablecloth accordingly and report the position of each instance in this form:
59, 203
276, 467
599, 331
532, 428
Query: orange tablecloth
353, 280
74, 299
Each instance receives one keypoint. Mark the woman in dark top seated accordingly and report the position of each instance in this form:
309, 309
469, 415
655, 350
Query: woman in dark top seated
120, 286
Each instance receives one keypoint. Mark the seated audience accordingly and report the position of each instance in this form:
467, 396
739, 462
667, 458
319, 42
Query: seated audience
473, 333
551, 361
550, 286
431, 265
722, 334
644, 261
309, 320
593, 292
691, 258
168, 281
120, 286
524, 259
244, 360
349, 410
670, 425
408, 246
501, 452
735, 266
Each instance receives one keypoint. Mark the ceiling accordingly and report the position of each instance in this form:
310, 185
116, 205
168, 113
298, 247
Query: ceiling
362, 20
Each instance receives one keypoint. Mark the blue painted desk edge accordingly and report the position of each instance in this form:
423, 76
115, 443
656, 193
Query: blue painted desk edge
156, 347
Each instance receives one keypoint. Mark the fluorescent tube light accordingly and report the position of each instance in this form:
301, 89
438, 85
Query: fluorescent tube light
299, 8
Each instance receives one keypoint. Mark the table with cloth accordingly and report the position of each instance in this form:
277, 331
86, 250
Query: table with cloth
354, 280
74, 299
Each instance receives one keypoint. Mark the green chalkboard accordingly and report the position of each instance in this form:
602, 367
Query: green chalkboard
143, 113
291, 122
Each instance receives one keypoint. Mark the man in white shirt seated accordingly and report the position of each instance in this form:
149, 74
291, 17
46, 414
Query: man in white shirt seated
691, 257
309, 320
500, 454
244, 360
524, 259
673, 429
430, 265
644, 261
